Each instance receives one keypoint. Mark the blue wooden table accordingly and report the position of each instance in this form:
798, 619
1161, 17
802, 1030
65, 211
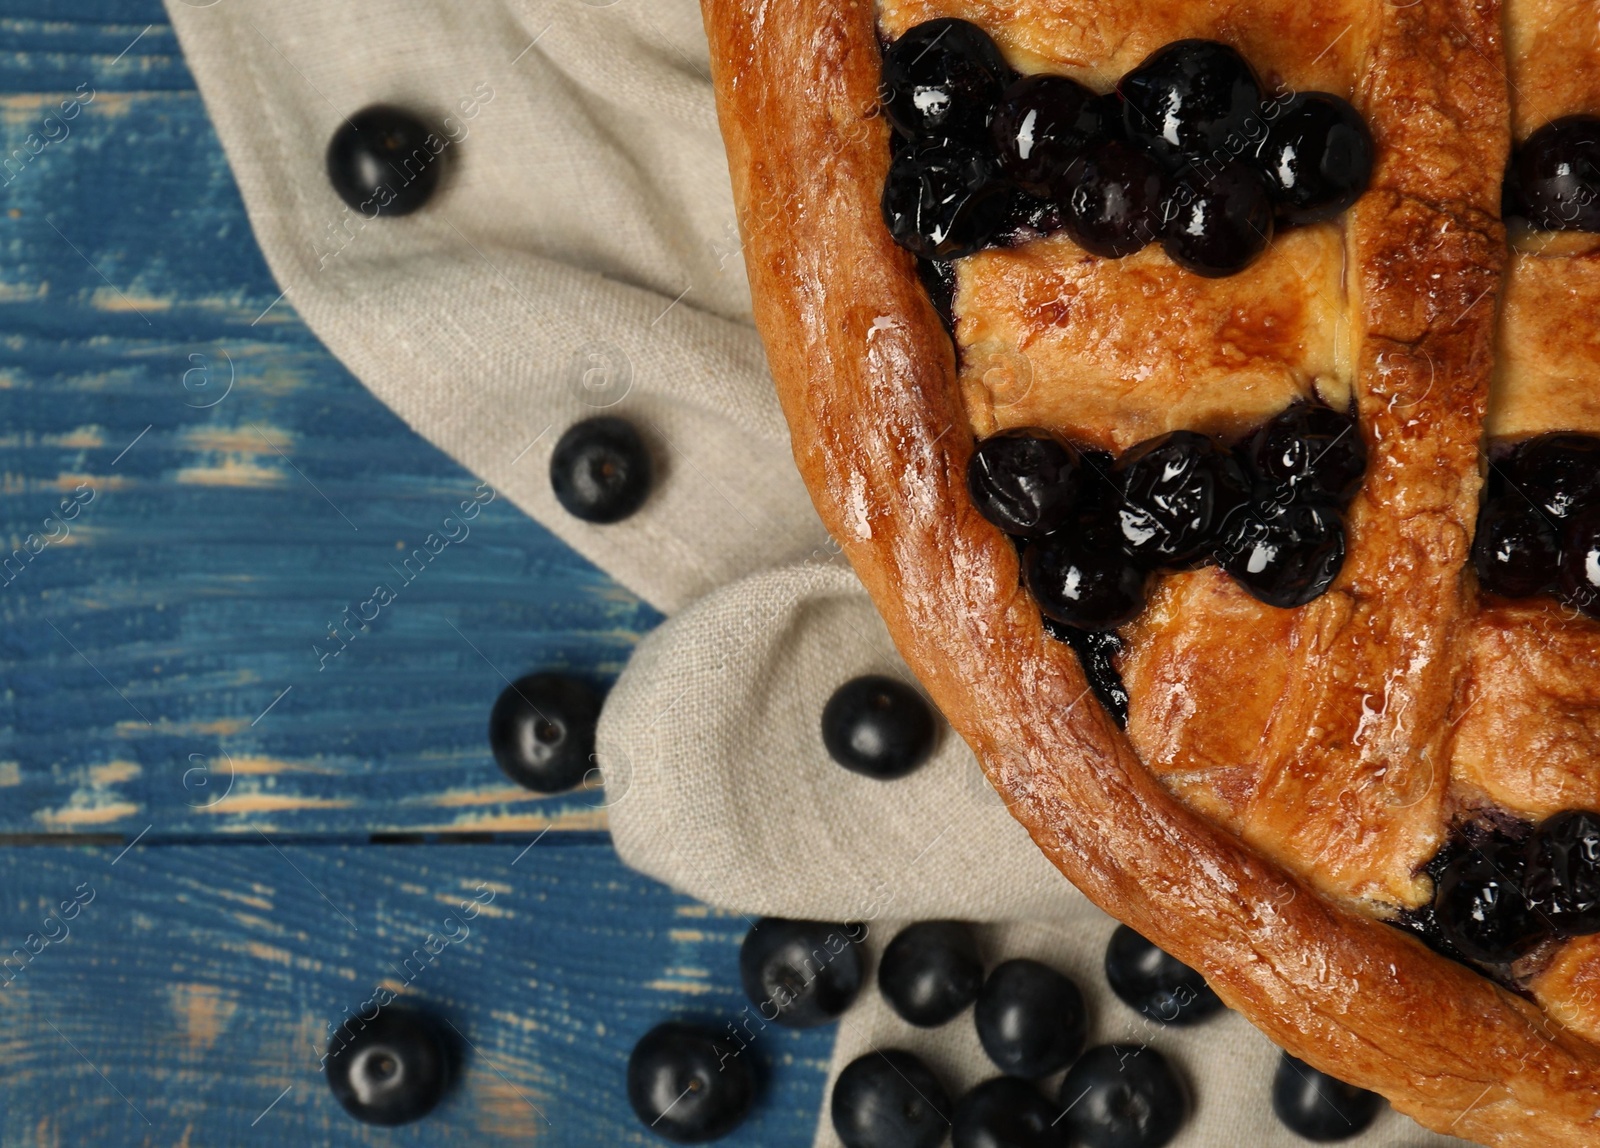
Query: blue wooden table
193, 490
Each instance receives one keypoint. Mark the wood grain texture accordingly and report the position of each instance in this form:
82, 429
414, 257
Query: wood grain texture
198, 983
227, 528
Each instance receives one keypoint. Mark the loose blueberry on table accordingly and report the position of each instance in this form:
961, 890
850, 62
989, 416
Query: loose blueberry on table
1160, 986
380, 163
1006, 1113
889, 1099
392, 1070
1123, 1096
931, 971
600, 470
541, 731
801, 973
1031, 1020
982, 158
688, 1084
1320, 1107
878, 727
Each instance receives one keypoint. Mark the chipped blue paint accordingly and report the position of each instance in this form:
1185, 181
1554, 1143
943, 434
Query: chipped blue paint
200, 982
246, 491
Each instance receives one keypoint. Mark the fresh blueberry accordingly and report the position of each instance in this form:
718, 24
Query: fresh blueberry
1480, 904
1112, 200
1031, 1019
942, 78
1307, 453
1026, 482
1553, 180
541, 731
1563, 882
1043, 124
1285, 556
392, 1069
380, 163
801, 973
1006, 1112
689, 1084
1177, 492
600, 470
1516, 550
1188, 98
878, 727
889, 1099
930, 972
1218, 222
1097, 652
1160, 986
1081, 575
1317, 156
1123, 1096
1320, 1107
1578, 577
943, 199
1557, 472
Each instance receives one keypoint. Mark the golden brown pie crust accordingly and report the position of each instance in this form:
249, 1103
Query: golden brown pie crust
868, 379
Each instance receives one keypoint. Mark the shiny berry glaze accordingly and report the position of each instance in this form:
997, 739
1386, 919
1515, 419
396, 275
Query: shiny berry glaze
1578, 578
1026, 482
1553, 180
1042, 125
1480, 904
1306, 453
1097, 651
1284, 556
942, 78
1557, 472
1218, 222
1177, 492
1111, 204
1515, 550
1187, 98
1317, 158
1563, 883
1082, 576
944, 199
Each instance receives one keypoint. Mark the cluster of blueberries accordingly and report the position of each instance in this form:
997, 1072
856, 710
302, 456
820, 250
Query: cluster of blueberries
692, 1084
1187, 150
1501, 890
1539, 523
1092, 528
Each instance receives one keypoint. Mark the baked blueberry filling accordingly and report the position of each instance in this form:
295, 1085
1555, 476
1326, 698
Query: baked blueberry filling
1553, 180
1539, 525
1187, 150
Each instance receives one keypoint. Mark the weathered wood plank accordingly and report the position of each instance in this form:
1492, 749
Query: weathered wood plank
197, 983
237, 491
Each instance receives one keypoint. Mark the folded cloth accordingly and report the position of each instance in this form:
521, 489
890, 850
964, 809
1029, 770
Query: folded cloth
582, 255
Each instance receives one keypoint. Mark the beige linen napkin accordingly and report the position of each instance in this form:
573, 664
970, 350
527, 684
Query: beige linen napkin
581, 255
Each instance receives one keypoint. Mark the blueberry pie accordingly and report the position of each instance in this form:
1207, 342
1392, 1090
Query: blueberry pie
1209, 398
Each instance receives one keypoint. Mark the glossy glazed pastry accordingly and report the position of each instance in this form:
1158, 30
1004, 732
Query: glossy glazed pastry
1347, 788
